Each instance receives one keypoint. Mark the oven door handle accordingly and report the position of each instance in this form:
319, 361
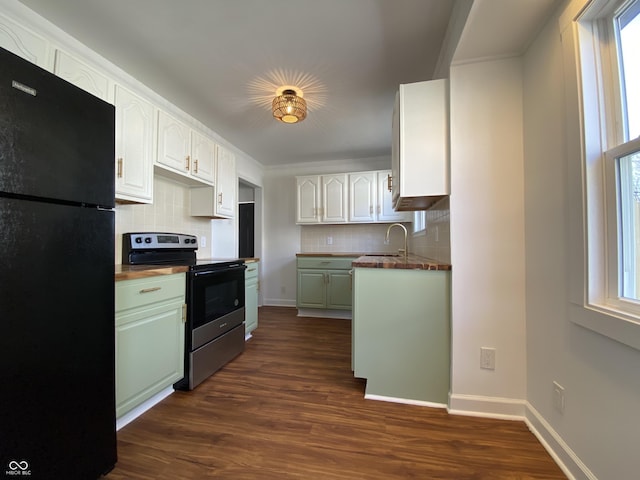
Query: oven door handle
233, 267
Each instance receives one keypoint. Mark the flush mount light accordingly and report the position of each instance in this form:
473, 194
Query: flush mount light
289, 106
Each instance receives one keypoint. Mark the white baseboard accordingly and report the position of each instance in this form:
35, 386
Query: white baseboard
406, 401
567, 460
490, 407
278, 302
510, 409
143, 407
324, 313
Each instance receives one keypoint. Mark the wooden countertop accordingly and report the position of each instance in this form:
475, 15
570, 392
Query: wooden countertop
131, 272
411, 262
331, 254
384, 260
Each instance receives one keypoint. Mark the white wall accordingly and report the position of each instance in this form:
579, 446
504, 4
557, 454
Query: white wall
601, 424
487, 236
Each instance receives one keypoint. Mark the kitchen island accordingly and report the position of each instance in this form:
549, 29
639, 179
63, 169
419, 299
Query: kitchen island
401, 328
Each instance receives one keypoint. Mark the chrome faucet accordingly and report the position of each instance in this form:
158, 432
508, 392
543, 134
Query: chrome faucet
404, 251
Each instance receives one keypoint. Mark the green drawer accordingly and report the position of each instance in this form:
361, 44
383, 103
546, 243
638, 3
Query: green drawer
328, 263
145, 291
251, 271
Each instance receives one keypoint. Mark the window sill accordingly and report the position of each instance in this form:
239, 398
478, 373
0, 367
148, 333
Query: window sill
607, 321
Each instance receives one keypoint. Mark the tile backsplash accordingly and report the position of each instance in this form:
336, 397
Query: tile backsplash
434, 242
168, 213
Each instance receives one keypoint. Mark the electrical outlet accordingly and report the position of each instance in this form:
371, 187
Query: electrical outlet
203, 241
329, 240
488, 358
558, 397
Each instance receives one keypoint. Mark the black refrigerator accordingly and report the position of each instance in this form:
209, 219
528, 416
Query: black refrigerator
57, 341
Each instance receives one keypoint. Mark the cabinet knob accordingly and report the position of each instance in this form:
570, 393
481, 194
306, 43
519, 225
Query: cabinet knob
188, 159
195, 165
389, 182
119, 174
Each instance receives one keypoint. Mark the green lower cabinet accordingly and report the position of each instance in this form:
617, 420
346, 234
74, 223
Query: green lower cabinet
324, 283
251, 287
149, 338
402, 333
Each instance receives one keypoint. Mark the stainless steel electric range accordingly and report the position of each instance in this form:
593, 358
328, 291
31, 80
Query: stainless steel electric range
215, 300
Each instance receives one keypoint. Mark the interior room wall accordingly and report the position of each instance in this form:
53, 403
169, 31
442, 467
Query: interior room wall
282, 237
600, 427
487, 236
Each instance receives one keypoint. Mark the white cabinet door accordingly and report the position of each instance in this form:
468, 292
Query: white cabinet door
203, 157
173, 143
362, 197
134, 147
385, 211
308, 199
334, 198
226, 183
24, 43
82, 75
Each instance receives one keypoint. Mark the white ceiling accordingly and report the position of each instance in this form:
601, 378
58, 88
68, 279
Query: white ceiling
222, 61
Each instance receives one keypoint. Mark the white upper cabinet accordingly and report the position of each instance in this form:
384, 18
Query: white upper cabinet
362, 197
134, 147
173, 143
82, 75
218, 201
203, 157
226, 183
334, 198
184, 154
356, 197
308, 199
24, 43
384, 209
370, 198
321, 198
420, 145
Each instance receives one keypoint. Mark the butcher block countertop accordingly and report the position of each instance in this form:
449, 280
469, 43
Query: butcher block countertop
131, 272
411, 262
384, 260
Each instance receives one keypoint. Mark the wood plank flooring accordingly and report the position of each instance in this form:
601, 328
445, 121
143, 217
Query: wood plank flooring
289, 408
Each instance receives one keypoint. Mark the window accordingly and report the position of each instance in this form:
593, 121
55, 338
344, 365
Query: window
623, 255
419, 222
601, 37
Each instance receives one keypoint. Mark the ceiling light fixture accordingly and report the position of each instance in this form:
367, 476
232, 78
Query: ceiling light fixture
289, 106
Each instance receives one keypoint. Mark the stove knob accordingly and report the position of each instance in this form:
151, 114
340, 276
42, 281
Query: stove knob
138, 239
193, 240
147, 240
186, 240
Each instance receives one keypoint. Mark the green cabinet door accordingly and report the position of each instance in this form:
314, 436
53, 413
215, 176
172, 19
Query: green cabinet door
338, 289
311, 288
251, 297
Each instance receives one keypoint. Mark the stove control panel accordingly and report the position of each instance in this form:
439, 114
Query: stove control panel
159, 241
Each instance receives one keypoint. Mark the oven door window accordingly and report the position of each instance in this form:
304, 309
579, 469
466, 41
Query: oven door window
216, 294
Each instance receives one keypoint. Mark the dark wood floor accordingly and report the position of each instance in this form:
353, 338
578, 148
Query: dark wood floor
289, 408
